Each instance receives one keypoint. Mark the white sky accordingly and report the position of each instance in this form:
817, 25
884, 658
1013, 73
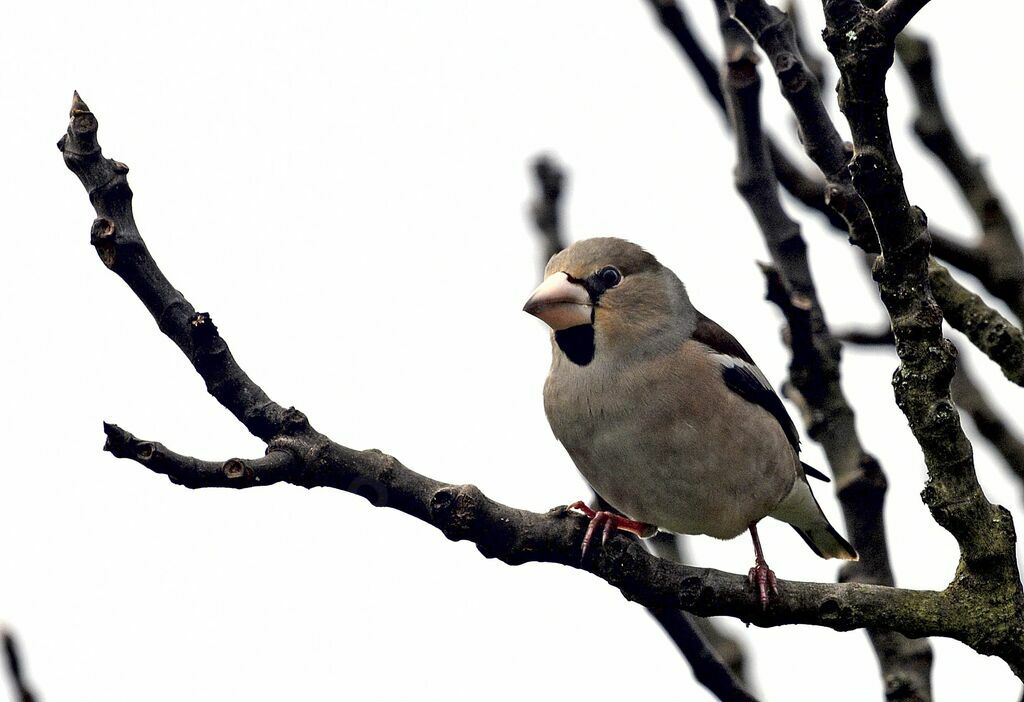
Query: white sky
344, 189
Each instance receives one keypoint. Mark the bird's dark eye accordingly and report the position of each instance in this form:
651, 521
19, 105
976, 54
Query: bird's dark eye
609, 276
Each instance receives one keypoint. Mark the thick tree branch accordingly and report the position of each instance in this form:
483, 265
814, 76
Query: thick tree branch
862, 46
965, 611
773, 31
815, 382
816, 64
12, 657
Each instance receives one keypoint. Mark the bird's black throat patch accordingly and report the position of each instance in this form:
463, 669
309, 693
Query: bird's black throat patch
577, 343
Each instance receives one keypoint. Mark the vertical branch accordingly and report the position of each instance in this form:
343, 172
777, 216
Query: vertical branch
862, 42
815, 381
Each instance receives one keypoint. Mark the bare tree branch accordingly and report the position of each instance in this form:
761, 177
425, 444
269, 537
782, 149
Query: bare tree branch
22, 690
968, 610
861, 42
815, 377
988, 330
123, 251
969, 397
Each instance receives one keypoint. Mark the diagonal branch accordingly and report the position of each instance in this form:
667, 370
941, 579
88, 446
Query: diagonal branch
22, 690
462, 512
708, 667
815, 377
123, 251
895, 15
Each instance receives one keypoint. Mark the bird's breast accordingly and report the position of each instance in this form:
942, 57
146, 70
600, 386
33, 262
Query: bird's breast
664, 444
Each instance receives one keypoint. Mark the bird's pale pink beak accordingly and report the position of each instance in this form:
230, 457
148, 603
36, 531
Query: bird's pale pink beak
560, 303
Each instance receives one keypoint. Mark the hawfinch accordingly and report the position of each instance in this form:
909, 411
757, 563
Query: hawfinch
664, 413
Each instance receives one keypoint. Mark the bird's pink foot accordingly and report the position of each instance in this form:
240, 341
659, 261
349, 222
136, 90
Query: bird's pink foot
763, 578
608, 522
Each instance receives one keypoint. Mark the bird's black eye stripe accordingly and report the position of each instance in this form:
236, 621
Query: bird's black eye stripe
609, 276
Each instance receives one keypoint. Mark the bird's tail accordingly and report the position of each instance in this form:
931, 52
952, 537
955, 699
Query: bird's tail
827, 542
801, 511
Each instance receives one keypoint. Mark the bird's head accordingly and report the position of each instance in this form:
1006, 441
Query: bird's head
611, 294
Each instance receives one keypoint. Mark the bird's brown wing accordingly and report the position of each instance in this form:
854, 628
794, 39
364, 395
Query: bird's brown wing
742, 376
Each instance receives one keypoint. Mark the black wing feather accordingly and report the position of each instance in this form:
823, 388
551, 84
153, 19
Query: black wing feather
742, 381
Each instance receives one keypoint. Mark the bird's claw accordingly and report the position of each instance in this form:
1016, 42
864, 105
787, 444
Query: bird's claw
607, 522
763, 578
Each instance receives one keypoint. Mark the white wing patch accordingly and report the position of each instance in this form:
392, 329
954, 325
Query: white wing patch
728, 361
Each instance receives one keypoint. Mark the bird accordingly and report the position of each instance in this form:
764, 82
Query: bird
664, 413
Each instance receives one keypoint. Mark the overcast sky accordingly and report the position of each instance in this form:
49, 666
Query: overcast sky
344, 188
